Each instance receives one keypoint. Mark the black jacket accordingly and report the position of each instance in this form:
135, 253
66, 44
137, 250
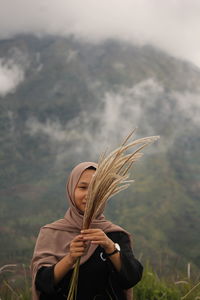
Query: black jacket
98, 279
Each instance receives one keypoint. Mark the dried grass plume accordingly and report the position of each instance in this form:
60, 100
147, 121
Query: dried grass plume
112, 175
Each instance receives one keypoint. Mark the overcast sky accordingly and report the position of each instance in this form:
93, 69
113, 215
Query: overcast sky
172, 25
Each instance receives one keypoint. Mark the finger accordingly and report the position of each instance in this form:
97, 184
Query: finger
78, 238
77, 254
89, 237
97, 242
74, 248
94, 237
89, 231
77, 244
77, 250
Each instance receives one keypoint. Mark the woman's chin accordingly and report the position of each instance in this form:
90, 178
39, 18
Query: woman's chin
82, 209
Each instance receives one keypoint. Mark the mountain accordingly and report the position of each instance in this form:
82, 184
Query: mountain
63, 101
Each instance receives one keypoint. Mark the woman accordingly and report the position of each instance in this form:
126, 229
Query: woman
108, 268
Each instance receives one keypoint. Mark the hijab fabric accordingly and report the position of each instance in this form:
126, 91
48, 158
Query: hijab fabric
54, 239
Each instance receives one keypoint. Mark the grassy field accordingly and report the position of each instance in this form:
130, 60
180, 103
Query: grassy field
15, 285
154, 288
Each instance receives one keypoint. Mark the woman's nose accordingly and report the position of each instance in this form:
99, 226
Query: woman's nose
86, 194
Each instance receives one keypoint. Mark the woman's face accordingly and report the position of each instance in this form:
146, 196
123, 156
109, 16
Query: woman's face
81, 190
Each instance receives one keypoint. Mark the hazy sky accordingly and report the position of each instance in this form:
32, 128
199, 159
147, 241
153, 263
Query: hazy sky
172, 25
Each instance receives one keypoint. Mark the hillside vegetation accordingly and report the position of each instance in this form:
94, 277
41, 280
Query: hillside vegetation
77, 99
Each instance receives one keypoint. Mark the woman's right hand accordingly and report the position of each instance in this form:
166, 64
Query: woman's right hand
77, 248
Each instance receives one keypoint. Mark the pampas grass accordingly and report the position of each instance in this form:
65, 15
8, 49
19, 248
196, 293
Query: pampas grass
111, 177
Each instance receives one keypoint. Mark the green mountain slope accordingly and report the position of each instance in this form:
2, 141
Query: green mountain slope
74, 100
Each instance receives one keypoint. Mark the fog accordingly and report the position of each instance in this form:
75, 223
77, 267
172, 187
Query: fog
11, 75
172, 25
121, 112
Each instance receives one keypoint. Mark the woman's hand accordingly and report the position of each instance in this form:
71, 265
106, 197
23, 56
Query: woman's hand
98, 237
77, 248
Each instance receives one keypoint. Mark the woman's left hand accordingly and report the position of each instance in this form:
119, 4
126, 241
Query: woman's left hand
98, 237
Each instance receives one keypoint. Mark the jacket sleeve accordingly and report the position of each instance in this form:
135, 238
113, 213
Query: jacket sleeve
44, 281
131, 270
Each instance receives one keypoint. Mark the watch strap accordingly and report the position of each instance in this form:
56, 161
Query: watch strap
117, 249
109, 254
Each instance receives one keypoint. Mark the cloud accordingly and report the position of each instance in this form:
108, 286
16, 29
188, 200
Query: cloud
145, 105
125, 110
11, 75
170, 25
53, 130
64, 140
189, 105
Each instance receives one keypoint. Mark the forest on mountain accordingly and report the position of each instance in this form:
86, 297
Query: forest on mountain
66, 102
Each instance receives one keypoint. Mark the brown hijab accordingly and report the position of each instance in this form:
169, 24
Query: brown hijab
54, 239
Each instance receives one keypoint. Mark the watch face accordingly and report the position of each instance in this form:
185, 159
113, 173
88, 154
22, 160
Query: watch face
117, 246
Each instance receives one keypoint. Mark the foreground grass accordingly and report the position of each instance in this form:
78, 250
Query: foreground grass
17, 286
15, 283
154, 288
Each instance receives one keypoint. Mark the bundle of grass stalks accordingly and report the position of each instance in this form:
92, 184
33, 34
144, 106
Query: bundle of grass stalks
110, 178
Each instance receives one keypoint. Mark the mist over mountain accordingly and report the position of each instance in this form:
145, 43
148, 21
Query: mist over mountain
63, 101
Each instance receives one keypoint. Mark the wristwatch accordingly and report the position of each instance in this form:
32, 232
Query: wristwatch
117, 249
